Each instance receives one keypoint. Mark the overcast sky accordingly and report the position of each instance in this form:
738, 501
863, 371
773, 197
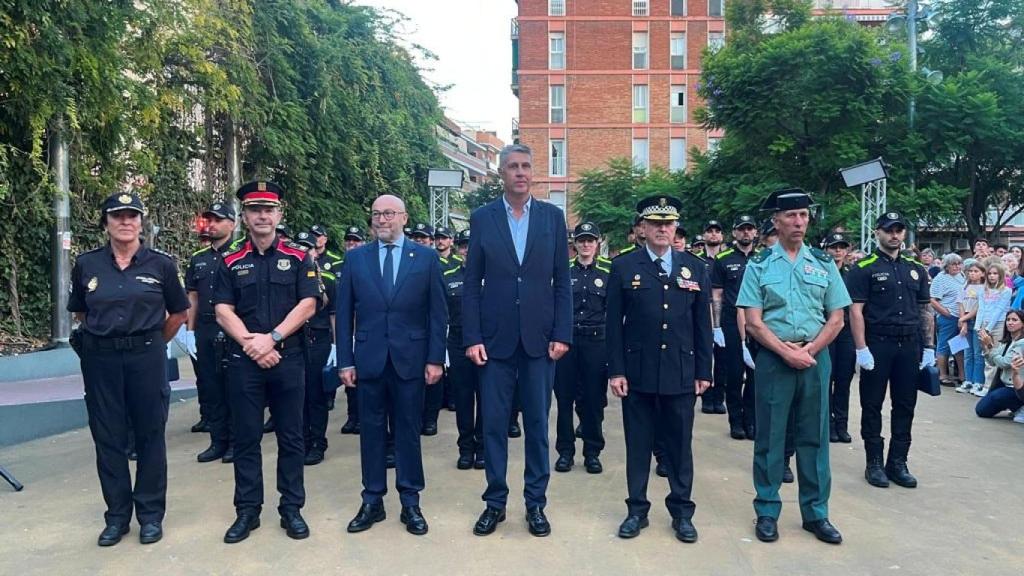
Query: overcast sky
474, 56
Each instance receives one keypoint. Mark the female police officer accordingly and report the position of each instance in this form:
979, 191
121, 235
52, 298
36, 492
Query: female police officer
129, 301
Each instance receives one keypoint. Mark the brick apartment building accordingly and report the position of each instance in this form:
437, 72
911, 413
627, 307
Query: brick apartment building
598, 79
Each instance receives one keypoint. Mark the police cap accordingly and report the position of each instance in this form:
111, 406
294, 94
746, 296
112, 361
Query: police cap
260, 193
835, 239
354, 233
422, 229
659, 208
890, 219
284, 230
744, 220
443, 232
221, 210
318, 230
462, 237
123, 201
712, 224
787, 199
305, 239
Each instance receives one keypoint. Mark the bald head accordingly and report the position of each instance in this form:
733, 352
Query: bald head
389, 217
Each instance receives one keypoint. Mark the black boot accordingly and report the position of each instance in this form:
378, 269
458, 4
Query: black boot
873, 472
841, 432
896, 465
833, 435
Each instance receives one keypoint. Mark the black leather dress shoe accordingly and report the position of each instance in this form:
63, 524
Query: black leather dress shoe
824, 531
514, 431
414, 521
389, 460
578, 432
350, 427
314, 456
430, 429
766, 528
737, 433
369, 514
133, 456
787, 473
844, 436
330, 403
465, 462
563, 464
214, 452
537, 522
294, 526
200, 427
720, 409
661, 470
478, 463
112, 534
244, 524
685, 530
268, 426
750, 431
150, 533
707, 409
229, 455
593, 465
833, 436
632, 525
488, 521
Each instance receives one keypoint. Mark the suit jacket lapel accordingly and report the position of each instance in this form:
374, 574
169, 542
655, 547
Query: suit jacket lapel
501, 223
404, 261
533, 230
373, 266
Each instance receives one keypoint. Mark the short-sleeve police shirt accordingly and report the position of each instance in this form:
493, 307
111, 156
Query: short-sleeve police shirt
201, 277
265, 287
125, 302
891, 289
727, 274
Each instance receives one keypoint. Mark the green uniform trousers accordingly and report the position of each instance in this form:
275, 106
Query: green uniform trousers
798, 398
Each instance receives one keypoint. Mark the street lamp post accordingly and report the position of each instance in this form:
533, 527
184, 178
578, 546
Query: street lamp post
440, 182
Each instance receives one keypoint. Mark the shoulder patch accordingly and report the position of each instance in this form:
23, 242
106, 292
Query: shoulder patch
913, 260
236, 253
724, 253
451, 271
328, 275
865, 262
820, 254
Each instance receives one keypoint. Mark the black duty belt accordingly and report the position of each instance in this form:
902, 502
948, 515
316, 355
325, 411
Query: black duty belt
893, 331
589, 331
207, 317
120, 343
293, 341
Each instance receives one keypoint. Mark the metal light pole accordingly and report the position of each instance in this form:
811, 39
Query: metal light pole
441, 182
60, 282
872, 178
234, 173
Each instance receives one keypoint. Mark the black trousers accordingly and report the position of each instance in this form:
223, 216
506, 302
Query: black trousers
464, 377
715, 395
402, 401
352, 404
739, 378
212, 382
581, 378
669, 418
282, 388
314, 413
896, 367
432, 402
120, 385
844, 362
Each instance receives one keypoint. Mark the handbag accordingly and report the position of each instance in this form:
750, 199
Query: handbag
928, 381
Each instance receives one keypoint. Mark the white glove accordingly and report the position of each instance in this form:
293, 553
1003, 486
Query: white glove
190, 343
864, 359
747, 358
927, 358
719, 337
333, 358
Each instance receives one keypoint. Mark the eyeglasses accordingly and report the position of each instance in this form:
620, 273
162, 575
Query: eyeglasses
386, 215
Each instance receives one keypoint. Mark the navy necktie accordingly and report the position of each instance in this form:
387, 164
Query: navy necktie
389, 271
661, 267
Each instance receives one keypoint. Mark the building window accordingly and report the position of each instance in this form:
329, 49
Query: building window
639, 50
557, 104
679, 7
713, 145
716, 8
558, 158
677, 108
639, 7
556, 54
556, 7
641, 156
716, 40
677, 48
640, 94
677, 154
557, 197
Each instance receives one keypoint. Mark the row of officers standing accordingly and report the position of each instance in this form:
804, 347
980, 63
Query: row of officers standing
652, 326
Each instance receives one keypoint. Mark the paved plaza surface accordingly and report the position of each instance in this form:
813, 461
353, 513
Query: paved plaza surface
965, 518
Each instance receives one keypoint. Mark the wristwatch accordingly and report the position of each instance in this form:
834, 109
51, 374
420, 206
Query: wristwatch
276, 336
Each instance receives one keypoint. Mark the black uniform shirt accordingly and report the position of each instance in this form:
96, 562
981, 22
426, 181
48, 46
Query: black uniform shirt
201, 276
329, 264
125, 302
727, 274
453, 281
892, 291
589, 291
451, 262
264, 288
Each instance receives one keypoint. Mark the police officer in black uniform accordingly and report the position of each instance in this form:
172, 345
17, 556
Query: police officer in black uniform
354, 238
444, 240
319, 334
130, 302
581, 376
463, 374
659, 361
211, 342
726, 278
267, 288
842, 351
892, 331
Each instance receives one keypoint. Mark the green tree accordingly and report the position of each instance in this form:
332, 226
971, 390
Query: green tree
484, 193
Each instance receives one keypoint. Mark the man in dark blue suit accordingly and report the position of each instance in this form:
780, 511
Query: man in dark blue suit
391, 298
517, 321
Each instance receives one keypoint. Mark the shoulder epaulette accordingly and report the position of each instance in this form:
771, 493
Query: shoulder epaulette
912, 260
236, 252
603, 268
161, 252
761, 255
328, 275
626, 250
236, 243
604, 259
865, 262
201, 250
96, 249
334, 255
572, 261
291, 249
450, 271
724, 253
820, 254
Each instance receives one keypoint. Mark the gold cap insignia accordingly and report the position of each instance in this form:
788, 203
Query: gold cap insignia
124, 199
662, 201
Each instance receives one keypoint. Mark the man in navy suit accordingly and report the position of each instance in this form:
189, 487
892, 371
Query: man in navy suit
517, 321
391, 298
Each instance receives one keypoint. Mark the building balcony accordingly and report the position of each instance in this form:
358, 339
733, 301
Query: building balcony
515, 28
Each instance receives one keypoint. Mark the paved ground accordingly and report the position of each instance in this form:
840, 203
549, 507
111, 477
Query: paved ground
964, 519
